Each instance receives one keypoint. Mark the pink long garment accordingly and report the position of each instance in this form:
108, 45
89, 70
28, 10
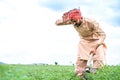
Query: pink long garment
90, 36
85, 47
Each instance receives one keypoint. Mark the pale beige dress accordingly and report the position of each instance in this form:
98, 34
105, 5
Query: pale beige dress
90, 36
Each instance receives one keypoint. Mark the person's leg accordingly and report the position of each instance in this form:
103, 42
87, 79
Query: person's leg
99, 58
97, 64
80, 66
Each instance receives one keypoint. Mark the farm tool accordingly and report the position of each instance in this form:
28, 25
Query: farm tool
88, 68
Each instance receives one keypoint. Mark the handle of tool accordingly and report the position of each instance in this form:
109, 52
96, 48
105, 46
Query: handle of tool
90, 59
92, 54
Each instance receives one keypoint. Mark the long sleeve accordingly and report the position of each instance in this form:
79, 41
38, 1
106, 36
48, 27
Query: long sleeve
60, 22
99, 32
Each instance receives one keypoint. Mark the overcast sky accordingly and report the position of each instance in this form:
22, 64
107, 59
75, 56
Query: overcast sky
28, 33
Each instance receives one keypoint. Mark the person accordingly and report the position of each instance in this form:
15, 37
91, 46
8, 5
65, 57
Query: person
91, 40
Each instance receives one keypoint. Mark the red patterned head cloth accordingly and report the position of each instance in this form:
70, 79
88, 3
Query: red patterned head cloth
73, 14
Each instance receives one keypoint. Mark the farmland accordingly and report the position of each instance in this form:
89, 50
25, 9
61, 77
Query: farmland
53, 72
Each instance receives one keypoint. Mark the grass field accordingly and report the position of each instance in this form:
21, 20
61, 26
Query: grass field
52, 72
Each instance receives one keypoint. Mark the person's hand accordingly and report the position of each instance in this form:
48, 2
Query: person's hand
93, 51
59, 21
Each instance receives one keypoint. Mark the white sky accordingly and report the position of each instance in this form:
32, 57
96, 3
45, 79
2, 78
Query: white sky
28, 34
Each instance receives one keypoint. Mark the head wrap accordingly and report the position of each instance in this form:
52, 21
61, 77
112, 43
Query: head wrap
73, 14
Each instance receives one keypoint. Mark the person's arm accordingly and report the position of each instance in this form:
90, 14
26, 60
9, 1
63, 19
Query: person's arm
99, 32
101, 35
60, 22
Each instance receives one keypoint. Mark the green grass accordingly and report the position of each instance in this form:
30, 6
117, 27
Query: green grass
51, 72
106, 73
